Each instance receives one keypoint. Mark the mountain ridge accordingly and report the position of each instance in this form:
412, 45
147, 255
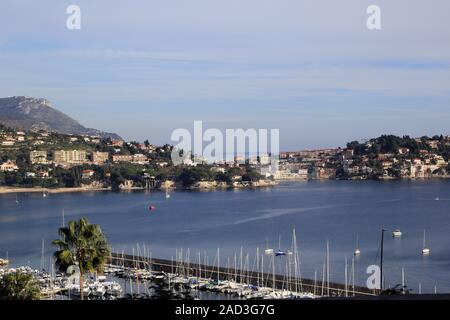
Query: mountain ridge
34, 114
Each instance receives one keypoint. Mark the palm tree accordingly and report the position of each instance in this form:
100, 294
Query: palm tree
19, 286
84, 245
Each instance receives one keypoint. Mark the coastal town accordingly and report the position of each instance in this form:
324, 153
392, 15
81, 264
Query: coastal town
51, 160
386, 157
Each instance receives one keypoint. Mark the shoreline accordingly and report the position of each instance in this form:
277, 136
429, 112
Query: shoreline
9, 190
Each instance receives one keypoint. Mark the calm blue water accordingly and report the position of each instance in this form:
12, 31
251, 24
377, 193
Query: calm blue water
203, 221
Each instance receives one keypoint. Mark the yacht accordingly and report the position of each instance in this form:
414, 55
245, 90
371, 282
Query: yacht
357, 251
425, 250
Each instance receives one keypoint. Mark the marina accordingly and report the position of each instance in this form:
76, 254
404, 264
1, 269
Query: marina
182, 276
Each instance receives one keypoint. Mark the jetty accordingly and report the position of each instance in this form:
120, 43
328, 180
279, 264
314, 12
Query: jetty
318, 288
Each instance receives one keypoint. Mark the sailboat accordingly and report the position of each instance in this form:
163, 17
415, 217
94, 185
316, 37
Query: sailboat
17, 199
279, 251
357, 251
268, 251
44, 194
425, 250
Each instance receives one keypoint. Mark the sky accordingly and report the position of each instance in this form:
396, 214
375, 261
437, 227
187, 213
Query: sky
310, 68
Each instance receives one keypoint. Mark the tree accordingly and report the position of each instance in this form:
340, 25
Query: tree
84, 245
19, 286
191, 175
251, 174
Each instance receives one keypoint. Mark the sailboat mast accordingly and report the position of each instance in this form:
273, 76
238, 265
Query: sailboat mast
42, 256
328, 268
297, 273
228, 268
273, 272
218, 265
381, 259
199, 265
403, 280
188, 261
424, 235
262, 270
240, 267
315, 281
346, 278
353, 276
235, 267
257, 266
323, 279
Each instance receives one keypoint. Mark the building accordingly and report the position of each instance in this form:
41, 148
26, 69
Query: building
253, 160
9, 166
122, 158
38, 157
387, 164
116, 143
189, 162
440, 161
69, 156
100, 157
7, 143
347, 154
264, 159
43, 174
434, 144
140, 158
239, 159
87, 174
38, 142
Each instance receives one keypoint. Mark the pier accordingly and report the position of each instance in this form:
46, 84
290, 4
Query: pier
267, 279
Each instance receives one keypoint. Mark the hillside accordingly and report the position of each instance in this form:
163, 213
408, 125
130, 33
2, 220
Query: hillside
34, 114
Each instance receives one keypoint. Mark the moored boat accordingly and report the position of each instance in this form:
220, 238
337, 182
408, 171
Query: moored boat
397, 233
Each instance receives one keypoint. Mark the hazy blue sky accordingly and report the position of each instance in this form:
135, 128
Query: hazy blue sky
310, 68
